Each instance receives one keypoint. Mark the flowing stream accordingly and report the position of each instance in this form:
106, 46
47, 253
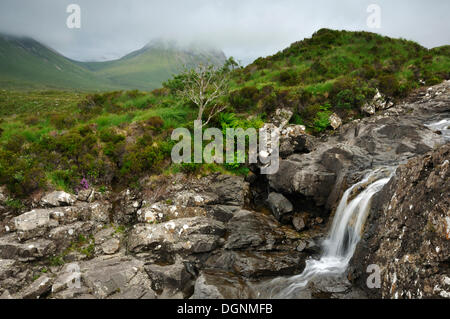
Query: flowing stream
345, 232
443, 126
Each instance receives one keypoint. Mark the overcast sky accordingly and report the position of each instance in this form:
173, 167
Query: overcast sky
245, 29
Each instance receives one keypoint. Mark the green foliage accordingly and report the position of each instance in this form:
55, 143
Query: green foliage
62, 121
156, 122
245, 98
289, 78
64, 180
54, 139
14, 204
56, 261
322, 122
388, 84
190, 168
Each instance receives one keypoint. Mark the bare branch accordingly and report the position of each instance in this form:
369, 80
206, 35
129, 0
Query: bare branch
204, 86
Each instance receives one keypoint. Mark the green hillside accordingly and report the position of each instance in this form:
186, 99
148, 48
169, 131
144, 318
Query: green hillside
149, 67
113, 139
27, 64
336, 71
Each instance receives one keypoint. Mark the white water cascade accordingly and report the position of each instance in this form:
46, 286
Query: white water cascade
443, 126
345, 233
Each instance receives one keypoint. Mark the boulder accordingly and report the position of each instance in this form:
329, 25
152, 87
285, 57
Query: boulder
170, 280
293, 139
248, 230
229, 190
32, 224
298, 221
160, 212
221, 285
108, 276
279, 205
256, 264
308, 178
63, 236
6, 268
184, 236
68, 279
100, 212
58, 198
70, 214
85, 195
379, 102
335, 121
222, 213
281, 117
111, 246
13, 277
31, 250
37, 289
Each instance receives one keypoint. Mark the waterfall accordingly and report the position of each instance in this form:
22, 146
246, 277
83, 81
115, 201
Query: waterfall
346, 230
345, 233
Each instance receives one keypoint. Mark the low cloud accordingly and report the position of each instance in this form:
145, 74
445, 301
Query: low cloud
245, 29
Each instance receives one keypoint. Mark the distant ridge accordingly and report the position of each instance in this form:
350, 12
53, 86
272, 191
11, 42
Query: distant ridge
28, 64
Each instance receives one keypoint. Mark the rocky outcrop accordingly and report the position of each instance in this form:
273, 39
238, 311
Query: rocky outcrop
408, 232
279, 205
159, 243
335, 121
388, 138
56, 199
379, 102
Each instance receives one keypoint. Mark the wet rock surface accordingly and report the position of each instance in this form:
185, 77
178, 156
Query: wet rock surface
387, 138
409, 232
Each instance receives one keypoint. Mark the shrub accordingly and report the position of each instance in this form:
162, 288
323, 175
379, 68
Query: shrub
31, 120
308, 113
176, 83
134, 94
161, 92
21, 175
244, 98
319, 68
345, 99
389, 85
155, 122
62, 121
322, 121
289, 78
64, 179
190, 168
15, 143
261, 63
109, 136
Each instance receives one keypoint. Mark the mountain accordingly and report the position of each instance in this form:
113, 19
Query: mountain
25, 63
153, 64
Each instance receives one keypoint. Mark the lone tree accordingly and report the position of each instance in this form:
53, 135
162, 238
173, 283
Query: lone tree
204, 86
